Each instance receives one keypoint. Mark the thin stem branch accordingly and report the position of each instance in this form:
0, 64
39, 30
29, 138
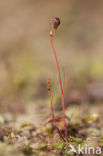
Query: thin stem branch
62, 91
52, 112
63, 79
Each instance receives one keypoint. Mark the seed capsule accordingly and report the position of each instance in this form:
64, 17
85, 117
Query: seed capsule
56, 22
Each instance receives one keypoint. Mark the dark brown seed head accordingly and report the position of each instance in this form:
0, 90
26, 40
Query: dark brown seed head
56, 22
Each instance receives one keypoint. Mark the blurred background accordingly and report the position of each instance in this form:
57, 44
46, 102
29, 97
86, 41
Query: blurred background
27, 61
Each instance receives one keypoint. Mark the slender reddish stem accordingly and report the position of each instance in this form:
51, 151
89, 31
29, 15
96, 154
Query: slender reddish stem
62, 90
52, 112
63, 79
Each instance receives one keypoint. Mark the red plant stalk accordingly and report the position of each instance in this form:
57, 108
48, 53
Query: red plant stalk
63, 78
52, 112
60, 81
53, 117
